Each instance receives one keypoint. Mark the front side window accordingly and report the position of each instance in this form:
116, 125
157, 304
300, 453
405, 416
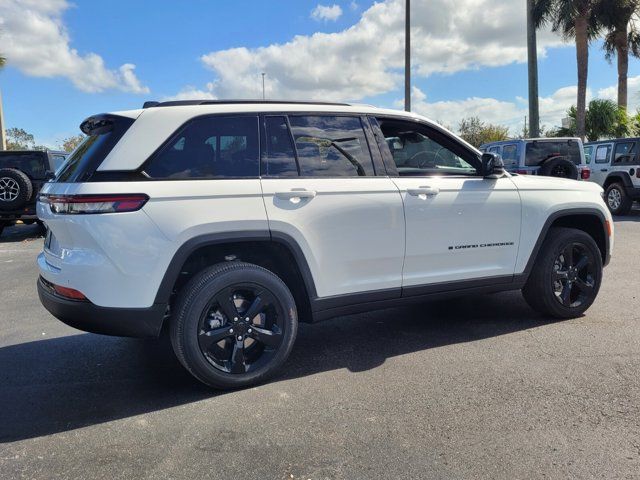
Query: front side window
603, 154
539, 151
625, 152
418, 151
209, 147
510, 155
331, 146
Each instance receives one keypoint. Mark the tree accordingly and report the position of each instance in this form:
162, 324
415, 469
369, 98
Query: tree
573, 19
622, 37
19, 139
476, 132
603, 119
69, 144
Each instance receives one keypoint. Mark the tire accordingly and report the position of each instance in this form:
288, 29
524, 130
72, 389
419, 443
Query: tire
546, 288
617, 200
205, 311
15, 189
559, 167
1, 228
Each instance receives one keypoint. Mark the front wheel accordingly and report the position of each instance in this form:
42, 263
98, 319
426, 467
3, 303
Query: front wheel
566, 277
234, 325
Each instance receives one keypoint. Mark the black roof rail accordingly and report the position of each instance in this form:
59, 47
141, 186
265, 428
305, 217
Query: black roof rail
176, 103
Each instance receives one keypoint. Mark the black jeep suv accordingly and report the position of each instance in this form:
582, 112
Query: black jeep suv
22, 174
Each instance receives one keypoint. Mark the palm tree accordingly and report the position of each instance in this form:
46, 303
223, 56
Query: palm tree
3, 142
573, 19
618, 18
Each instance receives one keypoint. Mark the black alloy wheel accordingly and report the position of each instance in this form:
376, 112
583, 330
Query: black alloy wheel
241, 328
566, 274
233, 325
574, 275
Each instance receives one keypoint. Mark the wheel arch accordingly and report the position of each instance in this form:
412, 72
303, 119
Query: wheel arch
618, 177
280, 254
590, 220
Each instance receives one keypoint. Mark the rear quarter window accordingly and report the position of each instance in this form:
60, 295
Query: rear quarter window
207, 148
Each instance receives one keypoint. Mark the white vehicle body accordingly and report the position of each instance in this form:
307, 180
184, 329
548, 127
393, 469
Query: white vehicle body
355, 240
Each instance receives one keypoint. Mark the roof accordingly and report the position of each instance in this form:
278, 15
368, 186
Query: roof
178, 103
524, 140
631, 139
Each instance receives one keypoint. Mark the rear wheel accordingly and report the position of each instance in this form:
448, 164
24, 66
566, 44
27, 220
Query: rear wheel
617, 199
566, 277
234, 325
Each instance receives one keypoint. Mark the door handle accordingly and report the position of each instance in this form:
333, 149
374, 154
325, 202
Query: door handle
604, 170
426, 191
295, 195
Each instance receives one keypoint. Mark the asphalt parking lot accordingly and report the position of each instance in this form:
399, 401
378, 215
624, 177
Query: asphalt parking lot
480, 387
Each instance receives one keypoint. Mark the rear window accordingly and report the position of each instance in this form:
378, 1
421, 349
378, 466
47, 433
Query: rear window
32, 163
103, 133
538, 152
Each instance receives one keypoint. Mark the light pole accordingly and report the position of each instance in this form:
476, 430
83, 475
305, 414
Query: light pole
407, 56
263, 74
534, 112
3, 140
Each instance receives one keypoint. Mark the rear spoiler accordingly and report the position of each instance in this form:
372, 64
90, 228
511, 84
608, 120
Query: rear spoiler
99, 124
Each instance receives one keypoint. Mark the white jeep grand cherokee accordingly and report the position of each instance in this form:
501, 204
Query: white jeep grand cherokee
229, 222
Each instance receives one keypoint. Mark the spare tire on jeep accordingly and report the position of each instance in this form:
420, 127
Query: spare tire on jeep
560, 167
16, 189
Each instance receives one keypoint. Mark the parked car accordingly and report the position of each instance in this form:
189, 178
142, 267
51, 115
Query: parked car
550, 157
22, 174
230, 222
615, 167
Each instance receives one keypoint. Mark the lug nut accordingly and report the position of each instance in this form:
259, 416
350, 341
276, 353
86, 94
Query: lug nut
231, 330
239, 337
235, 319
249, 331
246, 319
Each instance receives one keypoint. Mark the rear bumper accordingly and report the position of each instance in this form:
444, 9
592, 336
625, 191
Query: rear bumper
121, 322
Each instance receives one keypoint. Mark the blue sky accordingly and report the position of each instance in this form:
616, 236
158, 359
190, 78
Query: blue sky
186, 49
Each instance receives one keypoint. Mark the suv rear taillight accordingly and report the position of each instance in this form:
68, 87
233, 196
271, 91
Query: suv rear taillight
89, 204
585, 174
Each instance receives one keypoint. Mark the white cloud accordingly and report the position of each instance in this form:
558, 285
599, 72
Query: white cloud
366, 59
508, 113
633, 87
326, 13
35, 41
192, 93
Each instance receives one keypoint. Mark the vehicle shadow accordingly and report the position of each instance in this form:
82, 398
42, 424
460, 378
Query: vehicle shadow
632, 216
61, 384
21, 233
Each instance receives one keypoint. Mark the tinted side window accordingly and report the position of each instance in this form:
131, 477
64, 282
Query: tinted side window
279, 157
510, 155
209, 147
331, 146
603, 154
625, 152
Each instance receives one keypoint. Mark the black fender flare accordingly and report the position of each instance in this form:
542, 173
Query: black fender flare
522, 278
619, 175
195, 243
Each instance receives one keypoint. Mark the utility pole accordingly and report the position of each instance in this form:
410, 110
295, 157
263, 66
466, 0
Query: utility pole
263, 97
407, 56
3, 140
534, 112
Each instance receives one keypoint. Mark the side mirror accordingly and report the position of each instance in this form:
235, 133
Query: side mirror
492, 165
49, 175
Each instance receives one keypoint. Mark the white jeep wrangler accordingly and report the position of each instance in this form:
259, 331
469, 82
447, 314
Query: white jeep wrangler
616, 167
229, 222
